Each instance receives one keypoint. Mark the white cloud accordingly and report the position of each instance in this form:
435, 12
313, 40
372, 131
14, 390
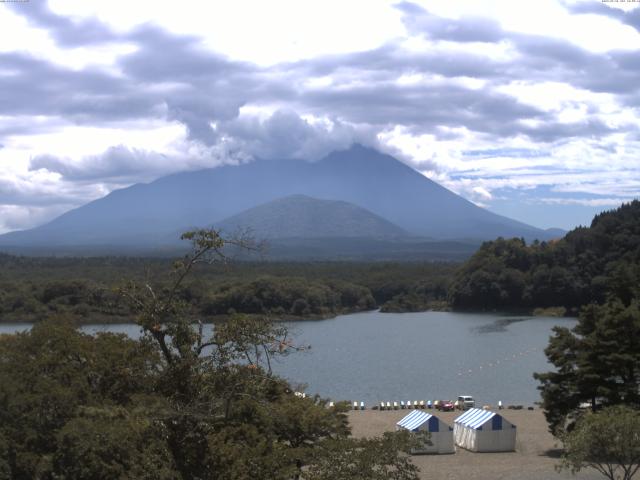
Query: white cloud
68, 140
549, 102
262, 32
542, 17
590, 202
20, 217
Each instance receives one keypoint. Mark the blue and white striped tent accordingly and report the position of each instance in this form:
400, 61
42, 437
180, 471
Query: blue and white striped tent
441, 434
484, 431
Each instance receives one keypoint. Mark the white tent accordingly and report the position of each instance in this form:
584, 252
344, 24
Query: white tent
441, 434
484, 431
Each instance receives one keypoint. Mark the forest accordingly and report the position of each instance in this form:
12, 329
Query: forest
88, 288
584, 267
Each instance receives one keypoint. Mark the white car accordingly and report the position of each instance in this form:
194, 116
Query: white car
465, 402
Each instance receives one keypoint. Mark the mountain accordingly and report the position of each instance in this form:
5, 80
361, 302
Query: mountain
554, 233
147, 214
300, 216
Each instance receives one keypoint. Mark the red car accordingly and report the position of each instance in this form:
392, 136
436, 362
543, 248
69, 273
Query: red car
445, 405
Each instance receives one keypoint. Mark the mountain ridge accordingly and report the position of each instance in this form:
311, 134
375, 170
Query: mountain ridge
144, 214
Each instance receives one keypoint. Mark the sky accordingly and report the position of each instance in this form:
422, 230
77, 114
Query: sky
528, 108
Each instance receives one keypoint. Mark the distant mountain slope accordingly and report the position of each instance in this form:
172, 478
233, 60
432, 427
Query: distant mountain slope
366, 249
554, 233
145, 214
300, 216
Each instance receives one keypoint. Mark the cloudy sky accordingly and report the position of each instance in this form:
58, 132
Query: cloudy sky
530, 108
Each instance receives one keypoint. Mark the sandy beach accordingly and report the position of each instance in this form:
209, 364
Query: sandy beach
535, 457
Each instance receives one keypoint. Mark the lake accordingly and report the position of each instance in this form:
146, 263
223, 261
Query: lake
375, 356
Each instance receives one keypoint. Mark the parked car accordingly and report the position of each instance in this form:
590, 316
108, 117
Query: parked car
465, 402
445, 405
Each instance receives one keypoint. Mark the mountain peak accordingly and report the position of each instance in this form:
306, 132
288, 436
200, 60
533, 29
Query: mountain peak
302, 216
360, 176
357, 151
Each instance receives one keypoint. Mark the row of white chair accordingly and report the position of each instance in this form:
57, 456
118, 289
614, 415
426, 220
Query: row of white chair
416, 404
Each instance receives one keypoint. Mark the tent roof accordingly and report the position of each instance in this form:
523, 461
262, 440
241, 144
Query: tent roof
414, 420
475, 418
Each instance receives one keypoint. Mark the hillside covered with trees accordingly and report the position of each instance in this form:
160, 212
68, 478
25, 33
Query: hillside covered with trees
584, 267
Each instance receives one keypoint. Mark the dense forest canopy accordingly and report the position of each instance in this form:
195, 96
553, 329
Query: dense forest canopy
581, 268
87, 287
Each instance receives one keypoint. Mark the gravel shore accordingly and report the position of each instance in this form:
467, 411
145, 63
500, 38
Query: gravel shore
535, 457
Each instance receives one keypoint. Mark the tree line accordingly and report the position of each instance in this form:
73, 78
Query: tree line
86, 288
585, 266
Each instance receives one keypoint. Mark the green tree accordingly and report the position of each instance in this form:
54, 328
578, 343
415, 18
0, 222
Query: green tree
607, 441
597, 362
47, 375
380, 458
5, 468
112, 443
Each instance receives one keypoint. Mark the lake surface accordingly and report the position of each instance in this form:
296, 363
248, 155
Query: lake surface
375, 356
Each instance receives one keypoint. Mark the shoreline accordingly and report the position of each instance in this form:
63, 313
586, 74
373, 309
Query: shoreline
103, 319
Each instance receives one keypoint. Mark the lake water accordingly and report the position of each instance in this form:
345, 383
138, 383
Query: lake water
375, 356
